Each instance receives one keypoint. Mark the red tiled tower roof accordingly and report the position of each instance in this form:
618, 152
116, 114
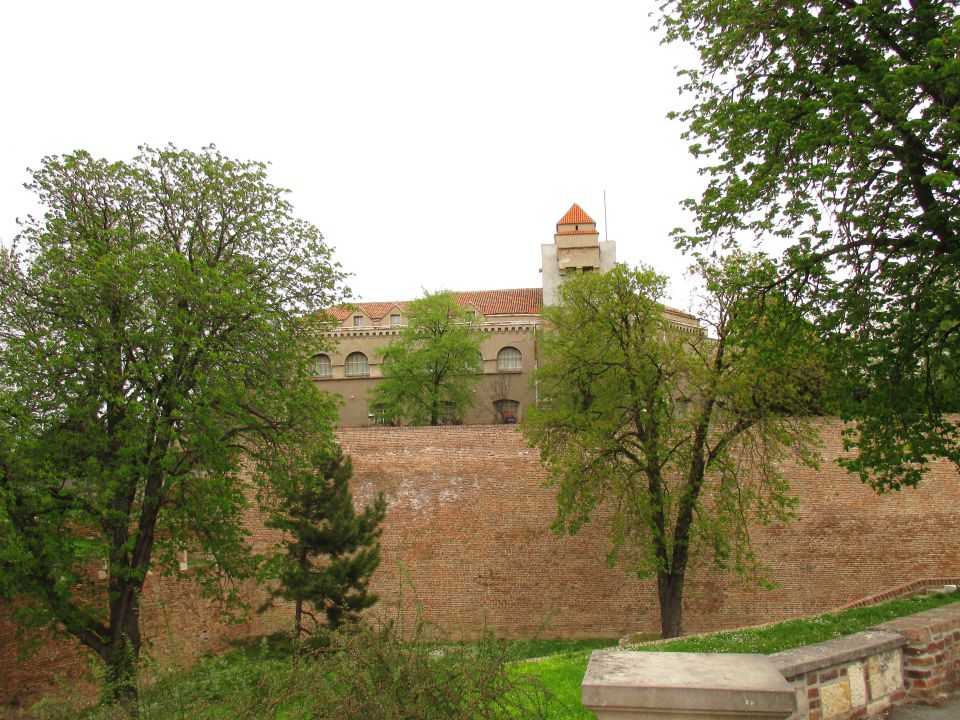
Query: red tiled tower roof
575, 215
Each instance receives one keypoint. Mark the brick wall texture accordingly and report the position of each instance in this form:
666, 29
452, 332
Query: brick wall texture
931, 658
467, 538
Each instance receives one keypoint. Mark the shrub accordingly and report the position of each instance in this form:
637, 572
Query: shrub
366, 671
371, 673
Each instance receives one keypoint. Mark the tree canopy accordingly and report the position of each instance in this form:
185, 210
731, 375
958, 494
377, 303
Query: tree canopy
832, 126
671, 436
152, 338
431, 368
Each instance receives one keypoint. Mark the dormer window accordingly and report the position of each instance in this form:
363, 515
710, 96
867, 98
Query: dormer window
395, 319
357, 320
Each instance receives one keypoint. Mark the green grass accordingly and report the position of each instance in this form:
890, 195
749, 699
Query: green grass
539, 648
561, 676
807, 631
563, 673
255, 681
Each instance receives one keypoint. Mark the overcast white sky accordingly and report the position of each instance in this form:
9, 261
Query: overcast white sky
435, 144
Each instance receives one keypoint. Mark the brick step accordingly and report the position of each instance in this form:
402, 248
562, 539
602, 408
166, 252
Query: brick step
931, 591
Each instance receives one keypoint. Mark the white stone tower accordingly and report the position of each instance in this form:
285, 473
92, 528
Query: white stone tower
576, 247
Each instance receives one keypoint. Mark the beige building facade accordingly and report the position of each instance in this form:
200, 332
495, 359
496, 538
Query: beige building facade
508, 320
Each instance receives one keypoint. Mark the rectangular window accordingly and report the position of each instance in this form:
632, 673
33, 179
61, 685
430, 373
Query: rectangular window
357, 320
394, 319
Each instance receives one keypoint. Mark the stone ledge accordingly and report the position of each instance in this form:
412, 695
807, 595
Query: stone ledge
631, 684
835, 652
926, 624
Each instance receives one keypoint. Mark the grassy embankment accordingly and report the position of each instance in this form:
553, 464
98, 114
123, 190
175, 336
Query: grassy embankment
562, 673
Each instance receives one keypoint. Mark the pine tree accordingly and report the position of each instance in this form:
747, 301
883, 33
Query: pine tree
330, 549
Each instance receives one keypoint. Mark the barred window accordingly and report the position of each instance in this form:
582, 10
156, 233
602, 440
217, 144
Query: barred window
357, 365
508, 411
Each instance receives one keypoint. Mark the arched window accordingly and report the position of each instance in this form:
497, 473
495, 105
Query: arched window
477, 366
319, 366
508, 411
509, 360
357, 365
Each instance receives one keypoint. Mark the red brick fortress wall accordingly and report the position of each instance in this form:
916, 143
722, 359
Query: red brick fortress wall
469, 521
468, 532
468, 537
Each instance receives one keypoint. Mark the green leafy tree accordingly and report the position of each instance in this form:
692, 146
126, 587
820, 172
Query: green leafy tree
430, 369
834, 126
331, 551
671, 436
152, 341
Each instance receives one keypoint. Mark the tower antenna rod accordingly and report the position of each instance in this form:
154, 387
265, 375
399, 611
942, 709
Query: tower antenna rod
606, 230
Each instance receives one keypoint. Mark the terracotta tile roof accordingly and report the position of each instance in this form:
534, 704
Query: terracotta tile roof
523, 301
373, 310
677, 311
574, 216
377, 310
338, 313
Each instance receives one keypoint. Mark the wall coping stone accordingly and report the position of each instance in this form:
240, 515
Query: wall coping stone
905, 590
631, 684
806, 658
925, 624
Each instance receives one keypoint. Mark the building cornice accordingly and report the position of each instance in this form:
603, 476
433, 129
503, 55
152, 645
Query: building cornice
487, 327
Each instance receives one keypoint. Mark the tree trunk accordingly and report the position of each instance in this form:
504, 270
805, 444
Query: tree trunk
121, 677
297, 620
123, 653
435, 403
670, 594
297, 631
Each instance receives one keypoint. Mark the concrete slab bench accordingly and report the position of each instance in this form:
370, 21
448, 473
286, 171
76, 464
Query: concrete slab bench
629, 685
